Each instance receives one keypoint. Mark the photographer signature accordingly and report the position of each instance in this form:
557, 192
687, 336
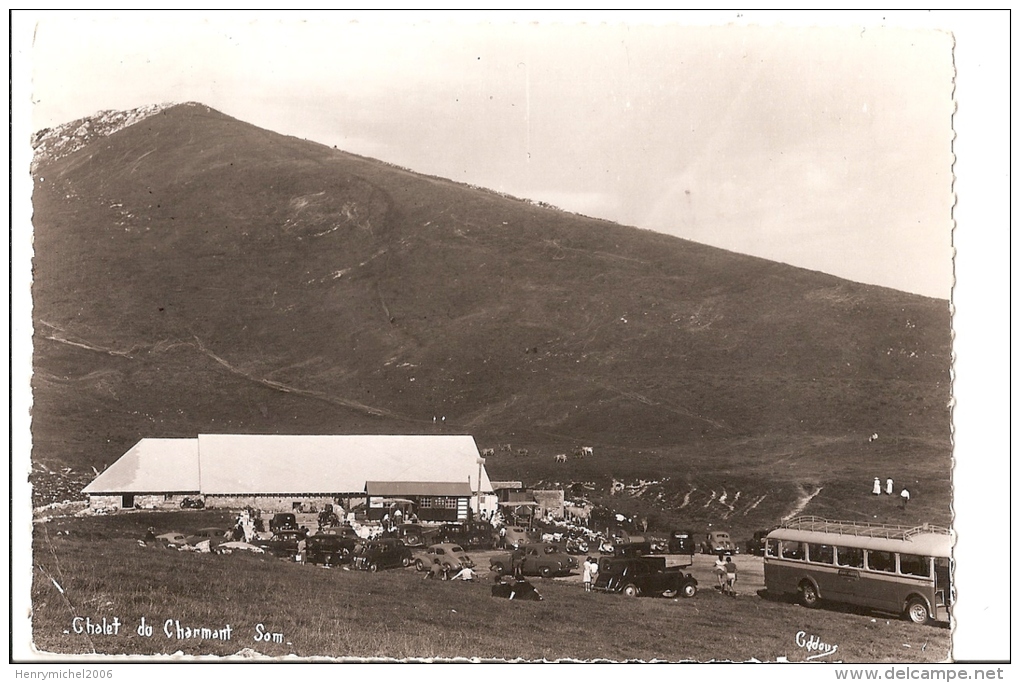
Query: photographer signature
813, 643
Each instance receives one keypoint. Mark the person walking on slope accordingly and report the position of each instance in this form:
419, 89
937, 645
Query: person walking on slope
904, 498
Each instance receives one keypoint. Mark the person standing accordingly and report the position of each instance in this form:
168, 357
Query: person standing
904, 498
586, 574
877, 488
889, 486
720, 572
731, 576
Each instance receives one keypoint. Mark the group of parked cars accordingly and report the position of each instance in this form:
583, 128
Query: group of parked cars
630, 564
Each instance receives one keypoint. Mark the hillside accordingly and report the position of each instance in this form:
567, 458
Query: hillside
194, 273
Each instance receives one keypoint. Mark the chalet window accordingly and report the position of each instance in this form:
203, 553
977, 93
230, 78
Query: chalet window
442, 502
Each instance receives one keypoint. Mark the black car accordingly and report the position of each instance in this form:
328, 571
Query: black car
682, 543
383, 554
413, 535
283, 521
647, 575
329, 549
632, 549
283, 543
468, 535
756, 544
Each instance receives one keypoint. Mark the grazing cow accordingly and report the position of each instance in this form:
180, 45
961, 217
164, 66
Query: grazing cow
523, 452
505, 447
562, 457
586, 451
488, 452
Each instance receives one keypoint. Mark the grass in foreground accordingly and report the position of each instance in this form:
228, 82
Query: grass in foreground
394, 614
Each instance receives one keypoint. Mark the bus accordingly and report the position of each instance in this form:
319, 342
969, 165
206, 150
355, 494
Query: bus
905, 570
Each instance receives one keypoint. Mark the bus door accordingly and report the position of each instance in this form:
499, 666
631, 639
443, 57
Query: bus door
880, 587
850, 566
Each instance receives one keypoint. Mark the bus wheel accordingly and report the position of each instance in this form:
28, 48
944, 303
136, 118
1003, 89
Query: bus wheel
917, 611
808, 595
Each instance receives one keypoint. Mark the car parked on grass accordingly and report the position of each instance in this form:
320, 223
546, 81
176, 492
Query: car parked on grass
282, 543
535, 559
647, 575
718, 542
329, 548
445, 556
470, 535
383, 553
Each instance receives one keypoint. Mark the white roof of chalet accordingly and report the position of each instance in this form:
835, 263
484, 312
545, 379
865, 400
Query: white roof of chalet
299, 464
152, 466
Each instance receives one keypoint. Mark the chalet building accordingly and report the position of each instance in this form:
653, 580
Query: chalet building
440, 478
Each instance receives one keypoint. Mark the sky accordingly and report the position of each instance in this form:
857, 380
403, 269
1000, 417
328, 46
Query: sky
826, 148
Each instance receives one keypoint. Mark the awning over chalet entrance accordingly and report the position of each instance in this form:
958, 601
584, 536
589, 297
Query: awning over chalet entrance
431, 501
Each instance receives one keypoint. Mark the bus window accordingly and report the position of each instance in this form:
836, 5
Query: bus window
850, 557
792, 550
820, 553
881, 561
772, 547
914, 565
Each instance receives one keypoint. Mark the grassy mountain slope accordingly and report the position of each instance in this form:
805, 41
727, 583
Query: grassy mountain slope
194, 273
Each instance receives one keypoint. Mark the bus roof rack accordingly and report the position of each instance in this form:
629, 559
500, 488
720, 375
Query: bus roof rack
870, 529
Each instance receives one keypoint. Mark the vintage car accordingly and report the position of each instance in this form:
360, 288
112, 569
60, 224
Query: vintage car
214, 535
470, 535
413, 535
647, 575
330, 548
535, 559
632, 549
383, 553
283, 543
514, 536
682, 542
192, 504
756, 544
283, 521
445, 556
718, 542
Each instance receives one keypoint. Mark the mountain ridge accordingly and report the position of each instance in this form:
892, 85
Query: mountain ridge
260, 263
